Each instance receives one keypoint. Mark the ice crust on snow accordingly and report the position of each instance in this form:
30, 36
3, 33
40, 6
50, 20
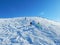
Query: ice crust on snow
29, 31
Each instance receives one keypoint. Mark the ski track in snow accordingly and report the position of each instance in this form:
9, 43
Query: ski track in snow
29, 31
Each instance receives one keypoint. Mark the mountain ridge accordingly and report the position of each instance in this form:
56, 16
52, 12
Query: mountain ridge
29, 31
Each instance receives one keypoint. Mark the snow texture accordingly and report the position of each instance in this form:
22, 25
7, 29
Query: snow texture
29, 31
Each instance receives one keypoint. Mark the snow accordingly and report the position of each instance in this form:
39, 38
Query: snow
29, 31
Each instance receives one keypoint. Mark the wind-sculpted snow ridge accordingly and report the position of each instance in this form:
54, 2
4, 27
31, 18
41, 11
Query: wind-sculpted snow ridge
29, 31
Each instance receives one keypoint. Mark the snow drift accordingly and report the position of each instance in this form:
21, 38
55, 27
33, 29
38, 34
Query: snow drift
29, 31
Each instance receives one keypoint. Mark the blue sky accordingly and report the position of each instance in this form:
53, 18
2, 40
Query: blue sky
44, 8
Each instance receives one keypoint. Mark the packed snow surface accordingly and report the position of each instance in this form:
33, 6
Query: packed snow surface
29, 31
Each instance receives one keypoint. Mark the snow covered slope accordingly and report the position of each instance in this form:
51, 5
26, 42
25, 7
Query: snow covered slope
29, 31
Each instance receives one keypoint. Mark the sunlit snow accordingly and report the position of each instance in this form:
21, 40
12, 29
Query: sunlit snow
29, 31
